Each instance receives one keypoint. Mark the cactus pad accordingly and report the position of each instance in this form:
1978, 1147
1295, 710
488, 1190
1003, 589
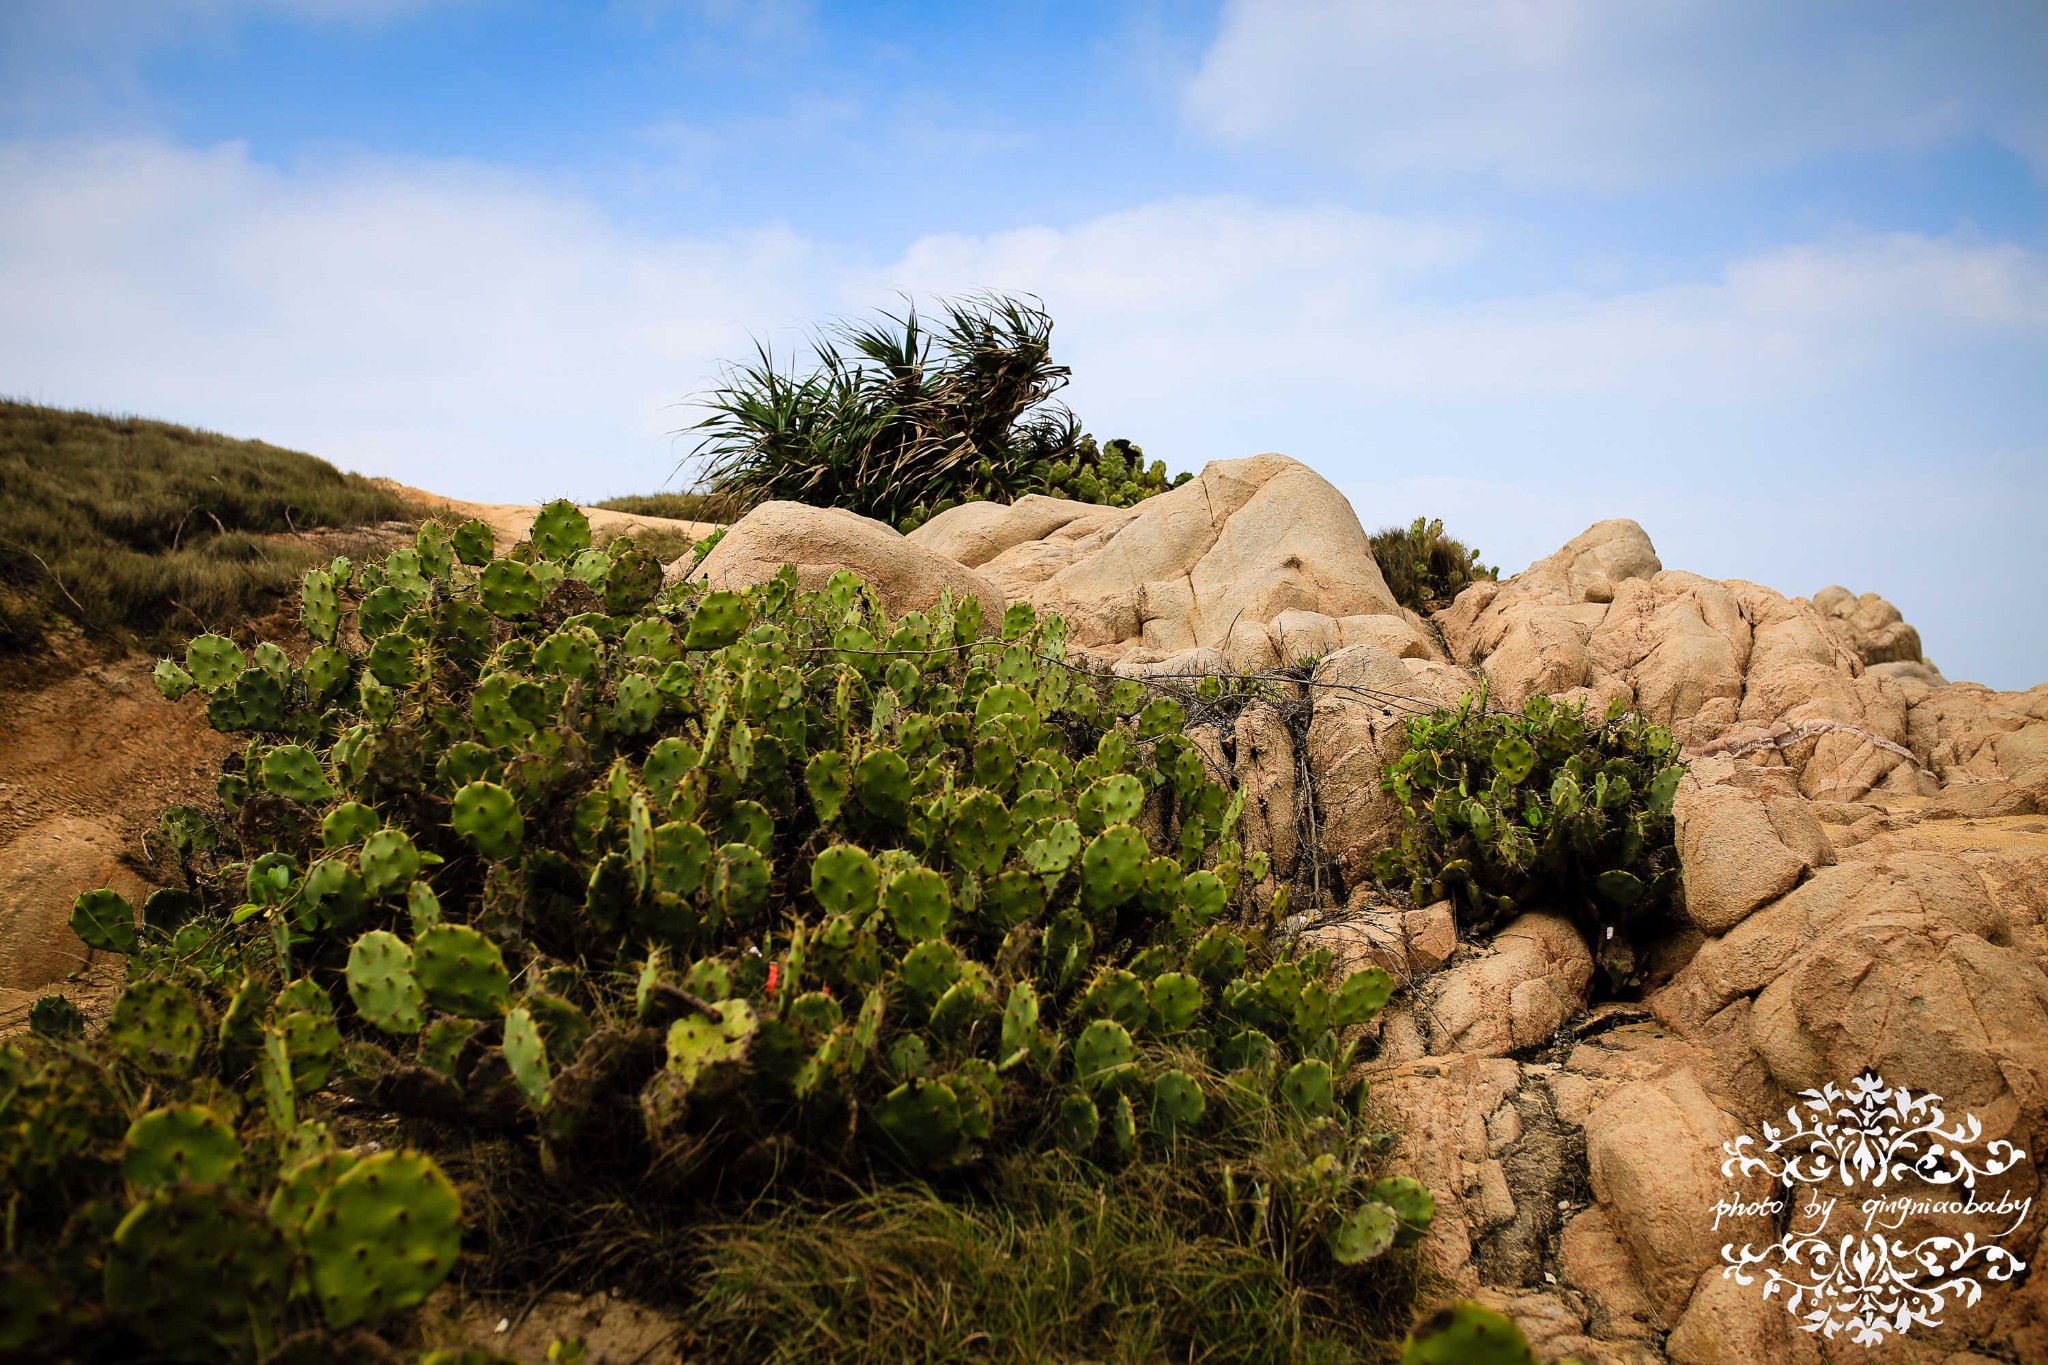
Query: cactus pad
560, 530
1177, 1101
381, 982
844, 880
382, 1237
53, 1016
718, 621
919, 904
1367, 1232
214, 661
1176, 1001
473, 543
172, 681
487, 815
922, 1117
351, 822
177, 1144
105, 920
1467, 1334
526, 1056
293, 771
701, 1048
389, 862
1113, 867
1076, 1122
1102, 1054
461, 971
1308, 1088
191, 1267
1411, 1202
156, 1022
509, 589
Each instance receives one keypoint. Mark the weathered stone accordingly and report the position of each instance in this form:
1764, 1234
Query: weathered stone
820, 541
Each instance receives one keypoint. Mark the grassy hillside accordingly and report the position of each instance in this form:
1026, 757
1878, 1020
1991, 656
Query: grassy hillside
146, 532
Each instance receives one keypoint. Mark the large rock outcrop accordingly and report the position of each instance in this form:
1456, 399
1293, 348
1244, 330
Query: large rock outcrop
820, 541
1210, 565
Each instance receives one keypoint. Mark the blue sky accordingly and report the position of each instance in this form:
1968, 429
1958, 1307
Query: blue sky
1772, 279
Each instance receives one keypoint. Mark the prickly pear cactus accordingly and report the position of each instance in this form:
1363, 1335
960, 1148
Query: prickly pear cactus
654, 880
382, 983
461, 971
381, 1237
178, 1143
191, 1268
1467, 1334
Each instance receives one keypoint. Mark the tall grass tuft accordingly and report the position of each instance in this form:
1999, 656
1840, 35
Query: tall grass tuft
146, 532
1424, 567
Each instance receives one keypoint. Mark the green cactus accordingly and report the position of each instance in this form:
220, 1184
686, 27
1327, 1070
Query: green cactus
719, 620
461, 971
526, 1056
192, 1268
981, 832
844, 880
172, 681
1411, 1203
739, 882
53, 1016
382, 984
1466, 1333
918, 903
1102, 1054
923, 1118
1308, 1088
1175, 1002
326, 673
510, 589
1113, 867
929, 970
1076, 1122
488, 816
1053, 852
473, 543
1114, 994
1022, 1039
703, 1050
560, 531
1367, 1232
294, 771
881, 783
176, 1144
299, 1189
631, 581
1177, 1102
348, 823
104, 920
1362, 995
389, 862
381, 1237
214, 661
442, 1043
157, 1024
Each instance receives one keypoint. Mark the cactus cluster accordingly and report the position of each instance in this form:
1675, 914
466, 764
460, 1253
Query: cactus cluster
1547, 804
663, 879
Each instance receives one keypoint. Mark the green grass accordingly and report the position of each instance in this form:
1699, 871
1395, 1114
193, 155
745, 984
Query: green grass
1425, 568
144, 533
680, 506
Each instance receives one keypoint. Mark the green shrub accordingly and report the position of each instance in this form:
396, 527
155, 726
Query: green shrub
1424, 568
681, 904
676, 506
144, 531
900, 421
1543, 809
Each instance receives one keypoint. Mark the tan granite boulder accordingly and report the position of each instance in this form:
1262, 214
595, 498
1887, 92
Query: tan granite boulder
820, 541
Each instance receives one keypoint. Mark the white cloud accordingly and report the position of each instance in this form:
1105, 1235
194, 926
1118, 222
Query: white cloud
435, 322
1611, 93
494, 337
